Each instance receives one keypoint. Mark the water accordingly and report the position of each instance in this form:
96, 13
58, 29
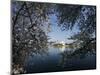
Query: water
56, 60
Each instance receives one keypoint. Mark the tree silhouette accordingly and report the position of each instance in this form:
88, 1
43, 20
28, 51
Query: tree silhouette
27, 33
85, 19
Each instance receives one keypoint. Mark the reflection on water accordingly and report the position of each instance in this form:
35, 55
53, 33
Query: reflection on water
62, 49
58, 59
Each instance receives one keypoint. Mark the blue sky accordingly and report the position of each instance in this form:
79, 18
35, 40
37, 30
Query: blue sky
57, 34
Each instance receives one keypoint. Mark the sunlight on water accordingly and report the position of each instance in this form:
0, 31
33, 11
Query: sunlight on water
62, 49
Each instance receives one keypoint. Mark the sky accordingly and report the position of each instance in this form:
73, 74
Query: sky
57, 34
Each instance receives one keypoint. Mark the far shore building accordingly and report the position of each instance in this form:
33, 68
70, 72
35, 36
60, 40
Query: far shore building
62, 42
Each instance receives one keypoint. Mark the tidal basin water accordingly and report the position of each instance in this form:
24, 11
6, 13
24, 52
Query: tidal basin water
56, 60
